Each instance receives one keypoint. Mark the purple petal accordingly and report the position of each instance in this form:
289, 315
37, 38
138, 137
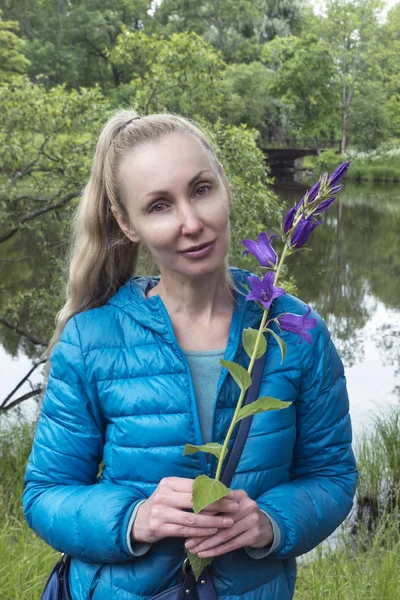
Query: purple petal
303, 231
264, 291
324, 206
312, 194
335, 189
262, 249
338, 174
289, 217
298, 324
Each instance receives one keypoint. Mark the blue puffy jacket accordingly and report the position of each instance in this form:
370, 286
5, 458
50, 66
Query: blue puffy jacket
120, 392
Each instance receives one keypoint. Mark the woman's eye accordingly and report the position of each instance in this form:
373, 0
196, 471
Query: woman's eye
205, 188
157, 207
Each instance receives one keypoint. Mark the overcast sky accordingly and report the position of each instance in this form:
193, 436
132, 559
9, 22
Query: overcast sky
318, 3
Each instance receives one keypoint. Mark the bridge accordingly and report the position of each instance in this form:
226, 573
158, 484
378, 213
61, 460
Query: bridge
282, 158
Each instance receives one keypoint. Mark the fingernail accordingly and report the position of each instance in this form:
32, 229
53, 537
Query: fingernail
190, 544
228, 521
233, 506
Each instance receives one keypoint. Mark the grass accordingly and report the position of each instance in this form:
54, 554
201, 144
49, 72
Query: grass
363, 564
25, 560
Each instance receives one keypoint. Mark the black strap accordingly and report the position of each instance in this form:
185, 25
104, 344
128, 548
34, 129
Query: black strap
236, 450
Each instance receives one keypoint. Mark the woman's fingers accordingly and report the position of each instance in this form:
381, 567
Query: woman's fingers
218, 539
200, 521
254, 529
222, 506
233, 544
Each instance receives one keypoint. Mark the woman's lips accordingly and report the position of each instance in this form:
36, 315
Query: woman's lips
201, 252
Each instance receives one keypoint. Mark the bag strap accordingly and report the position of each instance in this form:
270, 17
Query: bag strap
236, 450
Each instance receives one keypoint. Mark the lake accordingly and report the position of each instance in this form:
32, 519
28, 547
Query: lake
351, 277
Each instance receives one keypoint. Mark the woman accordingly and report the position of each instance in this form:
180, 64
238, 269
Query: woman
135, 376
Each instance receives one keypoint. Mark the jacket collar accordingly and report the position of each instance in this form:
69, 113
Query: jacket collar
151, 313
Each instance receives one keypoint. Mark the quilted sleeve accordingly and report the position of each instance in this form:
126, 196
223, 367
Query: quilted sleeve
323, 475
62, 501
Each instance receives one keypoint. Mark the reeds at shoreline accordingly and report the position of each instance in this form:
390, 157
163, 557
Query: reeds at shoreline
362, 564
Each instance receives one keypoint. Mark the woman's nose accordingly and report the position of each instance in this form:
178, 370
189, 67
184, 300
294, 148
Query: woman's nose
190, 220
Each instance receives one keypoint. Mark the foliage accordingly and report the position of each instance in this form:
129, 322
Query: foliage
381, 164
302, 72
237, 28
46, 145
180, 74
68, 42
12, 60
350, 29
247, 97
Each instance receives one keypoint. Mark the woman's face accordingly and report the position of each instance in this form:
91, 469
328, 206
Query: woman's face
176, 202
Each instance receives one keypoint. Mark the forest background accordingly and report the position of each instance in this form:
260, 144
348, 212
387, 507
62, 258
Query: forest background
255, 74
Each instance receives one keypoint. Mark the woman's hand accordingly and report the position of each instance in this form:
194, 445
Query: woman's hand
251, 527
165, 513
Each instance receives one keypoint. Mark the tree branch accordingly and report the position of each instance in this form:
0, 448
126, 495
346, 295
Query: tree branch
97, 51
37, 213
26, 334
4, 405
21, 399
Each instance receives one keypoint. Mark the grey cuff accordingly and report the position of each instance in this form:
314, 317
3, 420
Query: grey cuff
266, 550
137, 548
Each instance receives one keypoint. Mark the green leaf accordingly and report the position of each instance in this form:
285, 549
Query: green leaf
263, 404
239, 373
197, 563
205, 491
212, 448
249, 337
281, 342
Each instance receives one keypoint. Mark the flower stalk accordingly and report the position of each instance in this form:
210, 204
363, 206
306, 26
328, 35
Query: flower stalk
249, 370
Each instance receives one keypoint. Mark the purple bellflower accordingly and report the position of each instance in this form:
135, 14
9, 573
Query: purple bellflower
298, 324
262, 249
263, 290
303, 231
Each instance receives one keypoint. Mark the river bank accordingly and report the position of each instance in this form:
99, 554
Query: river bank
380, 165
362, 564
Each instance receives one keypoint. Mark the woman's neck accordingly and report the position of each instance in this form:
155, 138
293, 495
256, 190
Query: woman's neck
196, 299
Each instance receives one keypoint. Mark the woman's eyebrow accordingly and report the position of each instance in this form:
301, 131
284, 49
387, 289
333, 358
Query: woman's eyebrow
160, 192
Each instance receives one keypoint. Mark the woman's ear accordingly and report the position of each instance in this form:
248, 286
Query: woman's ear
125, 226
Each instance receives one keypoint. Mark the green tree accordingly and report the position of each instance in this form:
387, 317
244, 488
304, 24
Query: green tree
302, 73
12, 60
350, 29
370, 121
247, 97
385, 59
69, 42
46, 140
180, 74
237, 28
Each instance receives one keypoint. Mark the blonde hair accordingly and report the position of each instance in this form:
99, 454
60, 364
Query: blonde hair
102, 258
